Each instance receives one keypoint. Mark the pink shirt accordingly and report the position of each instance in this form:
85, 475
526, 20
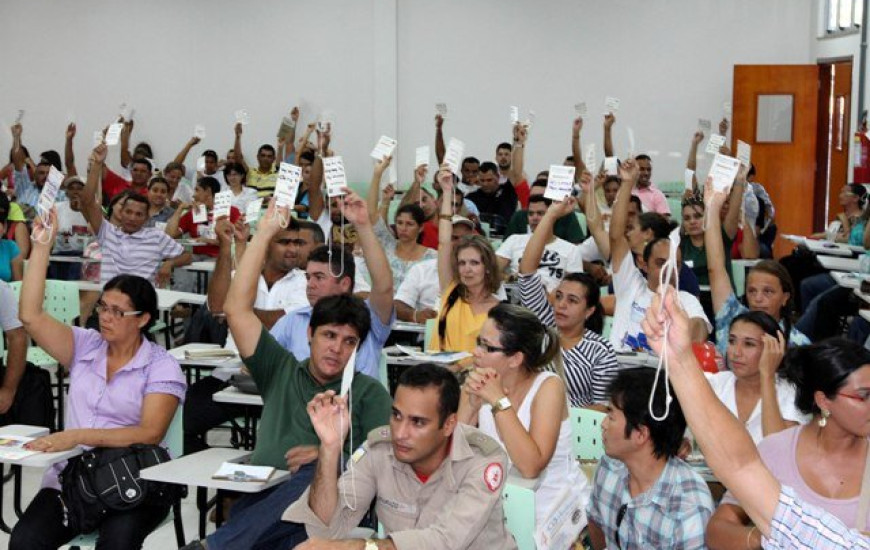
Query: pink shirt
779, 452
95, 403
652, 199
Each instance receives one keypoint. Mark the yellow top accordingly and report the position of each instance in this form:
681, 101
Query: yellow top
463, 326
263, 183
15, 213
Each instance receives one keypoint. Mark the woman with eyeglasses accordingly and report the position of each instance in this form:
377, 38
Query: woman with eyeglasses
403, 249
236, 177
575, 313
512, 396
824, 461
123, 390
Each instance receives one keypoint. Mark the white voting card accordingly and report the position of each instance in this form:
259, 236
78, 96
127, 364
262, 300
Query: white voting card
441, 109
347, 375
199, 131
98, 138
48, 195
611, 103
287, 184
726, 109
705, 125
223, 201
591, 160
333, 173
515, 114
113, 136
125, 112
19, 117
744, 152
580, 108
383, 148
252, 212
611, 166
688, 177
423, 155
200, 214
242, 117
287, 124
560, 182
716, 141
723, 171
160, 226
530, 120
183, 193
453, 155
200, 165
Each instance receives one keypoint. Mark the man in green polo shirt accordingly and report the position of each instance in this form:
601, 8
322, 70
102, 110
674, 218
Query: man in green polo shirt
286, 436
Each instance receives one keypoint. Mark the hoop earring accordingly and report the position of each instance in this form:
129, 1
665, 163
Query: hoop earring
823, 421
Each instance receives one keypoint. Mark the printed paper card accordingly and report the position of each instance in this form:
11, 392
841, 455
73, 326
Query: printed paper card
113, 135
423, 156
287, 184
611, 166
98, 138
453, 155
253, 210
242, 117
515, 114
200, 165
19, 117
744, 152
199, 131
384, 148
723, 171
441, 109
48, 195
705, 125
726, 109
716, 141
183, 193
688, 178
591, 160
200, 214
287, 124
333, 173
612, 104
560, 182
580, 108
223, 201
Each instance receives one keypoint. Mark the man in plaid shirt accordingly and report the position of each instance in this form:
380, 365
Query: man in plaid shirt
644, 496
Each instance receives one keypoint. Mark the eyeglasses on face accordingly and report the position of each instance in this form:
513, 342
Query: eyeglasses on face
488, 348
860, 395
113, 312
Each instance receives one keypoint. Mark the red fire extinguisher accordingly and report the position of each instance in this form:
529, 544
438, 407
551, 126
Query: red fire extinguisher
861, 171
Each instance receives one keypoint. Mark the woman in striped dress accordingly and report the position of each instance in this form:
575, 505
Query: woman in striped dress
590, 362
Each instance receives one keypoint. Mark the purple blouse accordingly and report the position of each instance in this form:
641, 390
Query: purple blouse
95, 403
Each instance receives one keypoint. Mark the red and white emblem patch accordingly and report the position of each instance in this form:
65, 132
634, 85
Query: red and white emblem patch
493, 476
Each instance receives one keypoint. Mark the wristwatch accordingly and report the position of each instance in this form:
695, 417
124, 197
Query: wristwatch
371, 544
501, 405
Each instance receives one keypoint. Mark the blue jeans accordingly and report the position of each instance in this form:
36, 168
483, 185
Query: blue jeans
254, 516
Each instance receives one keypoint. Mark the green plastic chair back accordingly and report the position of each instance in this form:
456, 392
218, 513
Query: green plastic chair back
519, 514
581, 219
431, 324
586, 433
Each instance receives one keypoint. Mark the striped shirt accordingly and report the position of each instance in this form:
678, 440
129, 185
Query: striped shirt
673, 513
801, 526
590, 365
138, 253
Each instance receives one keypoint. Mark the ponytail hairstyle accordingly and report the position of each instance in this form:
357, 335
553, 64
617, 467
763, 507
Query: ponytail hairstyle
520, 331
772, 267
595, 322
822, 367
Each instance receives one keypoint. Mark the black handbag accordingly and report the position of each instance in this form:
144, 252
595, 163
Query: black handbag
104, 479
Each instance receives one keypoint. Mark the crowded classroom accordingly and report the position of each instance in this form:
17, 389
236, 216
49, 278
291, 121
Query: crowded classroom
360, 305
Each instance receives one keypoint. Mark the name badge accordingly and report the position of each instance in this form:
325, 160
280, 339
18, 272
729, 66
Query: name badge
402, 508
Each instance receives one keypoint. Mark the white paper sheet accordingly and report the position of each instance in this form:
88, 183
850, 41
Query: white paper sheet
687, 179
334, 175
242, 117
611, 103
200, 214
347, 375
453, 155
744, 152
723, 171
580, 109
223, 201
423, 155
199, 131
383, 148
716, 141
113, 136
253, 211
287, 184
48, 195
560, 182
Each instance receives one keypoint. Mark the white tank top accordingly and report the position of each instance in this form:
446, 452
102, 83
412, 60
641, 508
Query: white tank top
562, 471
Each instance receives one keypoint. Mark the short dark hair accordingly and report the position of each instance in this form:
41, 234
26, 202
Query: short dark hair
636, 200
266, 147
595, 322
342, 309
489, 167
144, 161
175, 166
322, 255
427, 375
630, 392
237, 168
210, 154
136, 197
539, 183
414, 211
53, 158
157, 180
120, 197
307, 155
210, 184
660, 226
469, 160
316, 231
141, 294
643, 157
504, 145
145, 148
823, 367
540, 198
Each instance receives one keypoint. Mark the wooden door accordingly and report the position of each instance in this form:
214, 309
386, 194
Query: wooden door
835, 100
785, 99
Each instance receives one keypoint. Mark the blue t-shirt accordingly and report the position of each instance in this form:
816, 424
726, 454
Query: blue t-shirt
856, 235
8, 251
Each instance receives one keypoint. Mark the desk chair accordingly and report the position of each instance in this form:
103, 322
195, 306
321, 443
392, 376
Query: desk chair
175, 443
519, 514
586, 433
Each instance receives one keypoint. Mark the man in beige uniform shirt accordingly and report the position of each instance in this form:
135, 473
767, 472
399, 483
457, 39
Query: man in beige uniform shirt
438, 483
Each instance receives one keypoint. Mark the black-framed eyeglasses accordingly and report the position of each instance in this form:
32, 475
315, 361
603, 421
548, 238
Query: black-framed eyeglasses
620, 515
114, 312
488, 348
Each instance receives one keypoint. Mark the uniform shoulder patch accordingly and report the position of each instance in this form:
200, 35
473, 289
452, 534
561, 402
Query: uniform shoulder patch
484, 443
493, 475
379, 435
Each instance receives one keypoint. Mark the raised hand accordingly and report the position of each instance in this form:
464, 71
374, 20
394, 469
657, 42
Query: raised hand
577, 127
521, 133
560, 209
100, 152
294, 114
698, 137
382, 164
439, 121
484, 383
71, 130
223, 230
354, 209
771, 354
270, 224
679, 335
194, 140
444, 177
723, 126
238, 129
629, 171
241, 230
44, 232
609, 119
388, 193
420, 174
329, 417
16, 130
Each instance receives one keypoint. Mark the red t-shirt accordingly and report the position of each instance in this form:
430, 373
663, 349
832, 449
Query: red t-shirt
523, 192
430, 234
114, 184
735, 246
186, 225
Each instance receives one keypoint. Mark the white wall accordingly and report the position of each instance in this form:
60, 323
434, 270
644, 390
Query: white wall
382, 64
